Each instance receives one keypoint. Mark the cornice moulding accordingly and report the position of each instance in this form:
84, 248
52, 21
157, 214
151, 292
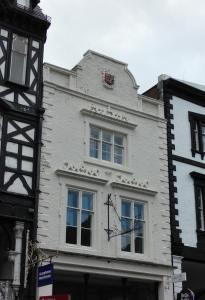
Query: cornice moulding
80, 176
107, 118
129, 187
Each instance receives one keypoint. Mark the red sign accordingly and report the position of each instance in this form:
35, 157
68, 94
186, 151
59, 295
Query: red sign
56, 297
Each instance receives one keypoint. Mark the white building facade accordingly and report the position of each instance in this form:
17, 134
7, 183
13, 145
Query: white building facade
104, 202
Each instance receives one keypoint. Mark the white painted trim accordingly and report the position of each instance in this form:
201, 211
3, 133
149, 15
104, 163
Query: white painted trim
106, 118
83, 177
130, 187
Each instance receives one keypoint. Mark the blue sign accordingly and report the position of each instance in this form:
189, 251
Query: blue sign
45, 275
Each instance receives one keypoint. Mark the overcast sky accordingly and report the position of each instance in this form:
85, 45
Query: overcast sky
153, 36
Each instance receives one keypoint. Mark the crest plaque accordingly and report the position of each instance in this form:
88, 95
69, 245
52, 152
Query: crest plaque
186, 294
108, 79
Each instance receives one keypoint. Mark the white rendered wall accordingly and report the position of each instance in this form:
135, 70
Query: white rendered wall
66, 146
182, 132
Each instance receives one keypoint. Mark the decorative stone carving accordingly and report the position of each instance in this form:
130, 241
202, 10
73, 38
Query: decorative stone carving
81, 172
109, 112
81, 169
109, 115
133, 181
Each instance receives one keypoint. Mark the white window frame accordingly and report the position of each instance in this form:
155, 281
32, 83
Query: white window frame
79, 215
132, 233
111, 143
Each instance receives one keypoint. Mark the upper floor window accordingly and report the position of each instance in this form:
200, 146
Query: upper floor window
132, 226
200, 201
80, 212
107, 145
199, 183
25, 3
197, 123
18, 62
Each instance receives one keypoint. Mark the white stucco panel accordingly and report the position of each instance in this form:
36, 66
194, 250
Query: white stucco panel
182, 132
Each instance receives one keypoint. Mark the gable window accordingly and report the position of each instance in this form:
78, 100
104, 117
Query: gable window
197, 123
18, 62
79, 225
132, 226
107, 145
25, 3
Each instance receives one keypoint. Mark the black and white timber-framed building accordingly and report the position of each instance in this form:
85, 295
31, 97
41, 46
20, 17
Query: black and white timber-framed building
185, 113
23, 29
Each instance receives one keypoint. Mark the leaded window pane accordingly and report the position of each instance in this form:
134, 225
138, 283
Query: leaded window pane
94, 149
106, 151
18, 59
119, 139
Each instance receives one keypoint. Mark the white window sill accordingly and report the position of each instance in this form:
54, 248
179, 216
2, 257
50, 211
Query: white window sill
107, 164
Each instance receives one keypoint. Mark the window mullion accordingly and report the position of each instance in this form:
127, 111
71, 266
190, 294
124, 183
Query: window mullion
79, 219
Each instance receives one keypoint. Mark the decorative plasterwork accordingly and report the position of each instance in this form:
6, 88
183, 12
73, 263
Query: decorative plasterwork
133, 184
108, 115
82, 173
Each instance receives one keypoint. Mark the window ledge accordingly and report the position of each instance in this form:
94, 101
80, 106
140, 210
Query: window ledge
82, 174
109, 117
108, 165
133, 187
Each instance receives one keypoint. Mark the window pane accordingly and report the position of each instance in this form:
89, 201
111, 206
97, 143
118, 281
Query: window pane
95, 133
106, 151
126, 209
94, 149
126, 225
107, 136
139, 245
71, 217
118, 155
118, 139
18, 59
196, 134
73, 198
71, 235
139, 211
24, 3
86, 219
85, 237
139, 228
87, 201
126, 242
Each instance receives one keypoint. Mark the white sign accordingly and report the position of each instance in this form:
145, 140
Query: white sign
179, 277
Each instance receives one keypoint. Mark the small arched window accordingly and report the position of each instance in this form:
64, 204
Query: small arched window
25, 3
